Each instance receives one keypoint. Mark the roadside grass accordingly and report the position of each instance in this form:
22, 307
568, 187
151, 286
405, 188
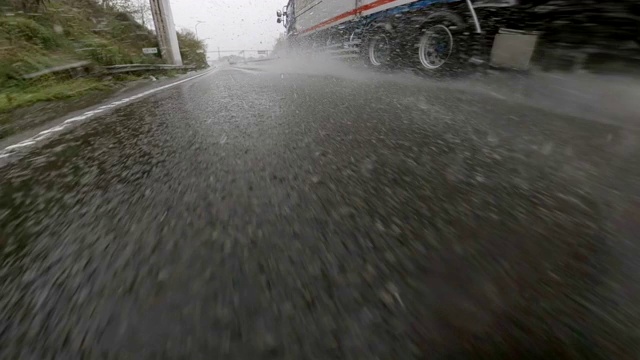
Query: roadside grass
68, 31
62, 33
65, 32
21, 95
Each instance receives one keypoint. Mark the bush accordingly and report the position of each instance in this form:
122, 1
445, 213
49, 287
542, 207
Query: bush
17, 30
192, 50
107, 53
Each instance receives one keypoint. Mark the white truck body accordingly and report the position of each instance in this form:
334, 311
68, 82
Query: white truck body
315, 15
310, 13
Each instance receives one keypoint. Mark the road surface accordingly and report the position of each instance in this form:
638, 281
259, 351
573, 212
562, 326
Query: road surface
260, 214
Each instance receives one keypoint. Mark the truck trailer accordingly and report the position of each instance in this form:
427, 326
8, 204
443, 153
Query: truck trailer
430, 35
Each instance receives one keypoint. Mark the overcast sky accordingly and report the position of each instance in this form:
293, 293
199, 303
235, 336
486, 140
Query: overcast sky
230, 24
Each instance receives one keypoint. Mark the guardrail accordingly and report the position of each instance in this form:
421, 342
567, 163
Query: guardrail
115, 69
86, 68
261, 60
76, 68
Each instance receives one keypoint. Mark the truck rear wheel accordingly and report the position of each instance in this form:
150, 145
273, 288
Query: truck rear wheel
435, 47
440, 47
377, 51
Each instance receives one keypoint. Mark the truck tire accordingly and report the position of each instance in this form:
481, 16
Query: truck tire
376, 50
441, 46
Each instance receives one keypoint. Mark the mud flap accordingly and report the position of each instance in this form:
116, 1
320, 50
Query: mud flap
513, 49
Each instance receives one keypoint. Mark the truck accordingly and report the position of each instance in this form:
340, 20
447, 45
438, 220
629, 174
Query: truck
429, 35
437, 36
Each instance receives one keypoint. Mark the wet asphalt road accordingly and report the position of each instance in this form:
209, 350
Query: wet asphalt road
267, 215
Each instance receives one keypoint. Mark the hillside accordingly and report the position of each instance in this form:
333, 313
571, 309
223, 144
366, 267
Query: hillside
39, 34
64, 31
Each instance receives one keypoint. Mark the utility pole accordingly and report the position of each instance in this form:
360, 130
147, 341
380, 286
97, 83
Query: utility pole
218, 52
198, 23
166, 31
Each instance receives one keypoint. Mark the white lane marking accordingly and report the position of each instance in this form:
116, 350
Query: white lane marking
248, 71
46, 133
20, 144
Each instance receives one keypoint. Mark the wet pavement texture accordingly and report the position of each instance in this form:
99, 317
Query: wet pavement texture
262, 215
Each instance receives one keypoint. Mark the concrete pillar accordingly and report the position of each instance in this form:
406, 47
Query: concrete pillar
166, 31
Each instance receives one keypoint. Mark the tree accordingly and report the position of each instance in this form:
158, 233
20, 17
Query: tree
140, 10
143, 13
192, 50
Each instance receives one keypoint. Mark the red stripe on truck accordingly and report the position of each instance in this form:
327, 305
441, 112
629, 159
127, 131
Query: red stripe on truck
353, 12
373, 5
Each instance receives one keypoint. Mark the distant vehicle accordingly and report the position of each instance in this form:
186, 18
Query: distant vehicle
432, 35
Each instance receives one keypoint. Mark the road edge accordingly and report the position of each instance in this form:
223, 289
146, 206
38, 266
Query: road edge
12, 144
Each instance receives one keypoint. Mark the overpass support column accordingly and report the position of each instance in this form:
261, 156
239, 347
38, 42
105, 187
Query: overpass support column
166, 31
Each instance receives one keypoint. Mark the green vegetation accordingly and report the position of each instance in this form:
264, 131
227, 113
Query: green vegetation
192, 50
40, 34
48, 91
65, 31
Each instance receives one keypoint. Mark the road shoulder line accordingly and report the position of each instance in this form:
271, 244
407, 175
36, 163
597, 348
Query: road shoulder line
12, 148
